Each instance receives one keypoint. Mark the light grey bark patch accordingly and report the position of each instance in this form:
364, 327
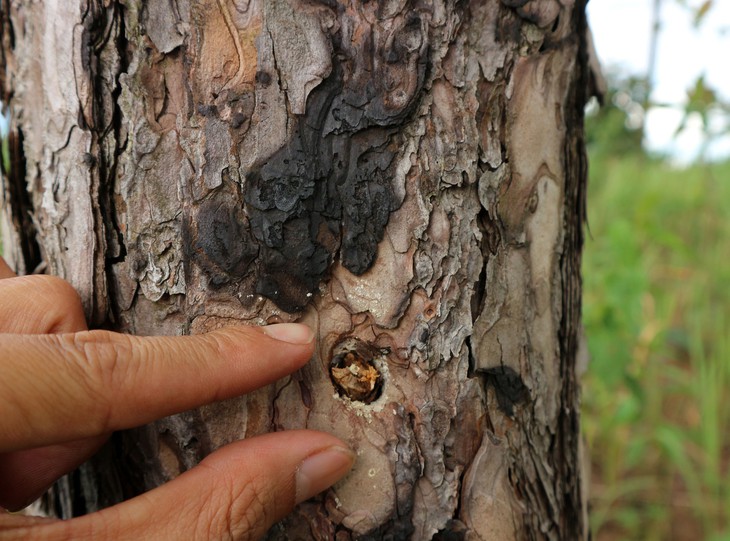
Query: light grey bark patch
217, 149
166, 23
302, 48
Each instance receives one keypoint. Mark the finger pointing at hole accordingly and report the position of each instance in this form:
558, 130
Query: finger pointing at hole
58, 388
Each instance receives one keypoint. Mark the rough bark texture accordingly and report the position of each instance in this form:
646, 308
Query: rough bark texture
405, 176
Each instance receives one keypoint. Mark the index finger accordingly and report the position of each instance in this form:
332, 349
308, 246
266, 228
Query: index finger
64, 387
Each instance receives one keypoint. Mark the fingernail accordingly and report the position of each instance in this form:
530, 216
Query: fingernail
322, 470
293, 333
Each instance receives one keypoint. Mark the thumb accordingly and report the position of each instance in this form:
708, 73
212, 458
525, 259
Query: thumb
238, 492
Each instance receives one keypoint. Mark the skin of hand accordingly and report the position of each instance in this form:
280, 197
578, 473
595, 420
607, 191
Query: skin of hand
64, 389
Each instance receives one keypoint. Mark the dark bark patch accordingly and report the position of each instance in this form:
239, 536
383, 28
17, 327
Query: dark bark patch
320, 193
515, 3
455, 530
509, 388
329, 191
263, 78
219, 240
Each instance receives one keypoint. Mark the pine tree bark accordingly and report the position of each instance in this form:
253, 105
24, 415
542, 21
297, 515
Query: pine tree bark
405, 176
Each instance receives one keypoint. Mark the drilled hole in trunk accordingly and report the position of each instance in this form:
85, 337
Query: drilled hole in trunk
355, 370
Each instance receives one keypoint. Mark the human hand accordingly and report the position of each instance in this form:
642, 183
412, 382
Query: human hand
64, 389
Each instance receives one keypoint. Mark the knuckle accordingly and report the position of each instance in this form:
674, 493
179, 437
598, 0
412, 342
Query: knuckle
55, 303
231, 340
64, 305
101, 361
56, 289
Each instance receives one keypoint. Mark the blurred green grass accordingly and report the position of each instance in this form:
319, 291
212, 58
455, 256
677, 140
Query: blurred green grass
656, 397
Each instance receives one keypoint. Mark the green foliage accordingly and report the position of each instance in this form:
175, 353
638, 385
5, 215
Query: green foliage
705, 103
657, 319
615, 129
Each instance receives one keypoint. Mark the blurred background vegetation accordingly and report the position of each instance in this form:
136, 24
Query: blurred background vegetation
656, 396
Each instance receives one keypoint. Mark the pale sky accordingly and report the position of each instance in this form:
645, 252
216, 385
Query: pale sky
621, 29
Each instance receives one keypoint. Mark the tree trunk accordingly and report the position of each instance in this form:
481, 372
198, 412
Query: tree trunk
405, 176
